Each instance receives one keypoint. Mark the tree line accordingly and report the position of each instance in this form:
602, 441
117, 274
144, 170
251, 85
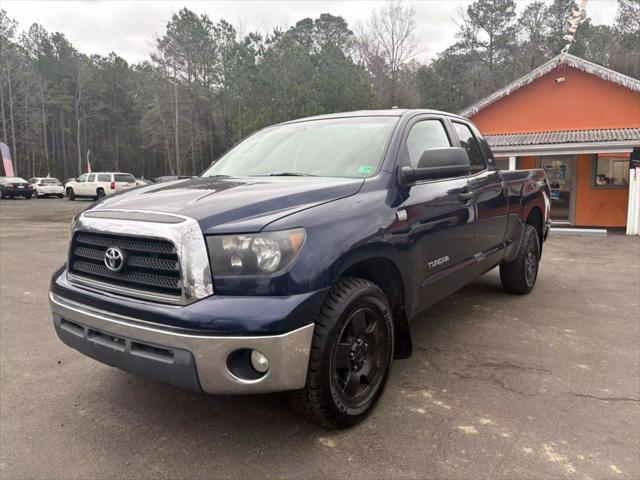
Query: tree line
205, 86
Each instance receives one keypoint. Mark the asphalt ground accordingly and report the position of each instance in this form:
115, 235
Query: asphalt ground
544, 386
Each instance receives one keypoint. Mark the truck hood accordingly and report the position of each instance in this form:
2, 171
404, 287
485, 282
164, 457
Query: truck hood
234, 205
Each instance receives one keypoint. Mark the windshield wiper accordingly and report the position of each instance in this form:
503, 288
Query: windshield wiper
285, 174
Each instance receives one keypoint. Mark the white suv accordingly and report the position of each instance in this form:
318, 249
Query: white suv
98, 185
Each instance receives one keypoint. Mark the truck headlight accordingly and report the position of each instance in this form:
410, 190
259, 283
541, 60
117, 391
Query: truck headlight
253, 254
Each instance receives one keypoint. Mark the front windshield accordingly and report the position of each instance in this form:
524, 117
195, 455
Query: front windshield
342, 147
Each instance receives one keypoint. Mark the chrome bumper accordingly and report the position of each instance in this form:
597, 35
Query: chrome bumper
288, 353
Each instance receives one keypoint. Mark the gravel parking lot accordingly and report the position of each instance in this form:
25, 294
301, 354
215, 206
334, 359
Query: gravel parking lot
541, 386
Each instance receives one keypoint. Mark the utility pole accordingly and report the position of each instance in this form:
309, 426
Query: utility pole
78, 119
13, 127
4, 118
240, 117
175, 90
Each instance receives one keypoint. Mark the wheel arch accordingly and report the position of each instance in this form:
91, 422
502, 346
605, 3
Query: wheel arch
385, 273
535, 218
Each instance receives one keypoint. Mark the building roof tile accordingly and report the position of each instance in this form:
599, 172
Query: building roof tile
564, 137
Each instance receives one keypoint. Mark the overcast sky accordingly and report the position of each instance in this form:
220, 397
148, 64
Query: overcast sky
130, 27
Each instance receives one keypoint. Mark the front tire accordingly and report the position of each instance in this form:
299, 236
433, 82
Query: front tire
519, 276
351, 355
71, 194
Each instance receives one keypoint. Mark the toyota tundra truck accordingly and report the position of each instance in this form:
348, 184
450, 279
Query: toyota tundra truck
297, 261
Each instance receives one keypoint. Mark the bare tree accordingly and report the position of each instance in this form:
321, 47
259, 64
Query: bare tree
387, 43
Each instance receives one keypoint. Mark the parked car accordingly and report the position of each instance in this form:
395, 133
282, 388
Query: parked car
11, 187
143, 182
98, 185
45, 186
297, 260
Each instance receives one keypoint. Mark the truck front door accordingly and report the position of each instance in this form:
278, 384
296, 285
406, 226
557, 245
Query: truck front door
439, 219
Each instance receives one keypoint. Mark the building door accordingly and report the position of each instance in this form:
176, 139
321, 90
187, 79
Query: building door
561, 172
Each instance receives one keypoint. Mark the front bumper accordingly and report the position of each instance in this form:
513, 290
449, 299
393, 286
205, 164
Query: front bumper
186, 358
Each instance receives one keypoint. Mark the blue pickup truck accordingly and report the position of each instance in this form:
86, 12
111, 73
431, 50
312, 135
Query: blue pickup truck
297, 260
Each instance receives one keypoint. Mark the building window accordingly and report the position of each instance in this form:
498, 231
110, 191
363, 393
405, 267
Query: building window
610, 172
503, 163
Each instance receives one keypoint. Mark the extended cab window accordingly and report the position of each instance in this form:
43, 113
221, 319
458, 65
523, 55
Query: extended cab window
469, 142
424, 136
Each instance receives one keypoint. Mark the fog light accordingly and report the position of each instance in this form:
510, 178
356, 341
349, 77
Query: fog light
259, 361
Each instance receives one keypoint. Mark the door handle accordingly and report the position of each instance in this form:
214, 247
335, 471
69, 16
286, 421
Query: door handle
465, 195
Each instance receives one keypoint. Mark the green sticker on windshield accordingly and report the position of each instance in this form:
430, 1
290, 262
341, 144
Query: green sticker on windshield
366, 169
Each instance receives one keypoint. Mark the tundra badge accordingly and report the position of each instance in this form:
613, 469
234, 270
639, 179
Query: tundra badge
438, 261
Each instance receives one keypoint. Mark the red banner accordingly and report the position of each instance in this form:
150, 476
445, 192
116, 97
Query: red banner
6, 160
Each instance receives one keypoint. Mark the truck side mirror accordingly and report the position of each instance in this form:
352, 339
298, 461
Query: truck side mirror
437, 163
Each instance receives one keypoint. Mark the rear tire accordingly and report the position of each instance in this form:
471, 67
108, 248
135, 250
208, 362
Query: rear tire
71, 194
351, 355
519, 276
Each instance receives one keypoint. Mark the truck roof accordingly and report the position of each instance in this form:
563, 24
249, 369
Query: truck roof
391, 112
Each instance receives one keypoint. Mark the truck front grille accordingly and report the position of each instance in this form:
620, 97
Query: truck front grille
150, 265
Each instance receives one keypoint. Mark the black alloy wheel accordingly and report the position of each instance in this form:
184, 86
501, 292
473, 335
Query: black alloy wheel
351, 355
531, 264
360, 357
520, 275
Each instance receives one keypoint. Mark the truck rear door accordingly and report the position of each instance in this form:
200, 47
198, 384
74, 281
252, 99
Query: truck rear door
489, 197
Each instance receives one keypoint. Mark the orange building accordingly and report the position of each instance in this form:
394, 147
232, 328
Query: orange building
577, 120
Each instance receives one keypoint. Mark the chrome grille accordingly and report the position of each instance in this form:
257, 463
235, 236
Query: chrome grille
150, 265
148, 246
152, 217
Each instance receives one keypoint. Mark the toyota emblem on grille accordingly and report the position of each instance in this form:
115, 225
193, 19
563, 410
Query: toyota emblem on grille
114, 259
